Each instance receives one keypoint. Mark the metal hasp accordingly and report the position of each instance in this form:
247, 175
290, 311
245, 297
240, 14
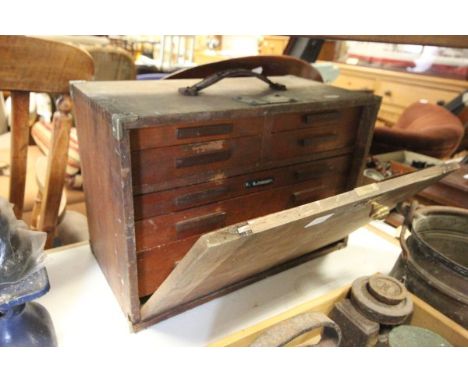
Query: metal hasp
379, 211
286, 331
214, 78
434, 259
266, 100
22, 322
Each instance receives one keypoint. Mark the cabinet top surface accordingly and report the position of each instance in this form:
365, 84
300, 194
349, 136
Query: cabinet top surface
160, 99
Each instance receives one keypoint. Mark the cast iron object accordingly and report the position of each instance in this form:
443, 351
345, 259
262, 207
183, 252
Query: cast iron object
382, 339
210, 80
434, 260
377, 310
22, 322
288, 330
387, 289
356, 329
413, 336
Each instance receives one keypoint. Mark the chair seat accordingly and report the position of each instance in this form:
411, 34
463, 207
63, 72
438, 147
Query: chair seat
423, 128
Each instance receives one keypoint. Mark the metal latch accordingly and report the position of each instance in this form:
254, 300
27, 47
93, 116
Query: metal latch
266, 100
379, 211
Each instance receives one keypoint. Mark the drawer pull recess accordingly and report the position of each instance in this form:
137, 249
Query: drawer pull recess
309, 141
305, 196
201, 159
200, 224
199, 197
203, 131
321, 117
312, 173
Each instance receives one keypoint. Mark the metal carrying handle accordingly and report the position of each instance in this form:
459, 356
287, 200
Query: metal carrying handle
409, 215
210, 80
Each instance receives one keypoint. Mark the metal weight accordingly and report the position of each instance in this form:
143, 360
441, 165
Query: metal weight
288, 330
374, 308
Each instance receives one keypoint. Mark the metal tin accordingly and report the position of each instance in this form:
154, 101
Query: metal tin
434, 262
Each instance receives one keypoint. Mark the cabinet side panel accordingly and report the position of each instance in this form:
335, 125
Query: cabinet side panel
364, 137
107, 179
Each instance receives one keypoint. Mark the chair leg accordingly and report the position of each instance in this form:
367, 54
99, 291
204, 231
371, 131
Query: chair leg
56, 166
36, 210
19, 149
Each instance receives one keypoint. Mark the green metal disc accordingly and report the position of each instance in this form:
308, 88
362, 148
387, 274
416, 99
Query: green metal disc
413, 336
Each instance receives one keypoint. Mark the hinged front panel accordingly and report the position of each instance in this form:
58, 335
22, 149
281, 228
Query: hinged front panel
228, 255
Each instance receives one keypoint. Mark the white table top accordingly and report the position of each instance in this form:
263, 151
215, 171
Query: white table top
84, 309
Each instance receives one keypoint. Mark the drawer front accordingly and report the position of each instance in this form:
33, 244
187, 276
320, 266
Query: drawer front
396, 93
155, 265
309, 140
164, 202
336, 118
354, 82
163, 165
154, 231
172, 135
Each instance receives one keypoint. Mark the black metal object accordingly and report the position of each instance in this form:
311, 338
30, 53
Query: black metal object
22, 279
457, 104
434, 260
305, 48
214, 78
22, 322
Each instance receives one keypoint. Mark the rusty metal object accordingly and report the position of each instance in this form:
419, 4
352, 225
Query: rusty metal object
413, 336
382, 339
356, 329
387, 289
376, 310
288, 330
434, 260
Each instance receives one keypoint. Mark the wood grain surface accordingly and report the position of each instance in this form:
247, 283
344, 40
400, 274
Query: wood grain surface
19, 149
38, 65
228, 255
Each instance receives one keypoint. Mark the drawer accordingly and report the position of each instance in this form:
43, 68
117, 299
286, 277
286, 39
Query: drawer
403, 95
156, 263
172, 135
310, 140
354, 82
196, 162
154, 231
164, 202
339, 119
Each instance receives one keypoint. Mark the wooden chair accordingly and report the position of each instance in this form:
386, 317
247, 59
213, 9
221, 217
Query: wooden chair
271, 65
111, 63
29, 64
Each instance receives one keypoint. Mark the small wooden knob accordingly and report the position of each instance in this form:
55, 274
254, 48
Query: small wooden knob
64, 104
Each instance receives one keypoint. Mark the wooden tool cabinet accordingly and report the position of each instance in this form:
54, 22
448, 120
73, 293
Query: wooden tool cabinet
160, 168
